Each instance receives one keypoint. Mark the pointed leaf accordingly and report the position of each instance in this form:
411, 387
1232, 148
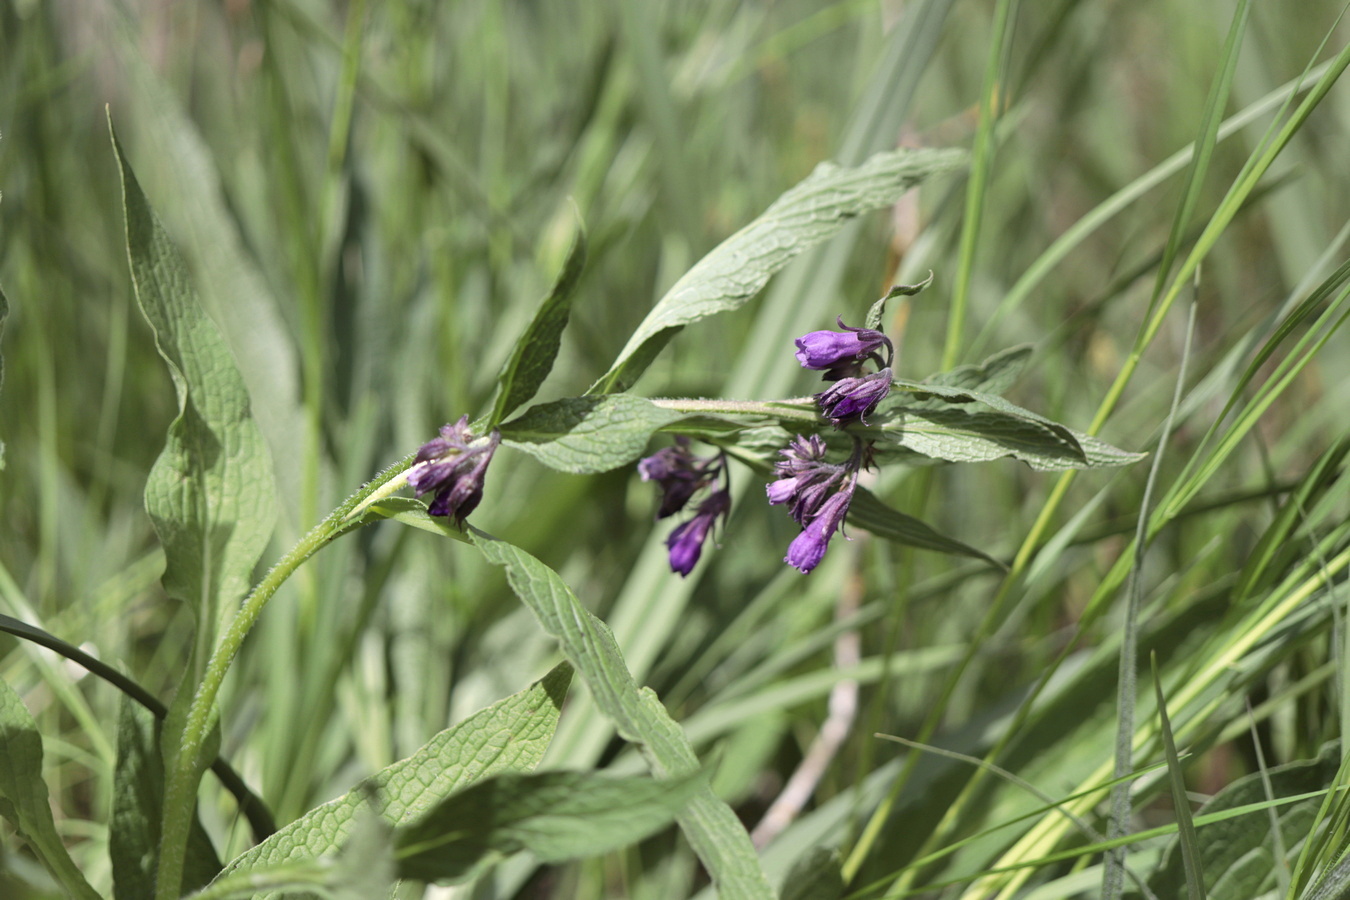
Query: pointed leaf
138, 800
878, 310
210, 494
23, 794
533, 356
512, 734
962, 425
741, 265
867, 511
555, 815
587, 434
712, 828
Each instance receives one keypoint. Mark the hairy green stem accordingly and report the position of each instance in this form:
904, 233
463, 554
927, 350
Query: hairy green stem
797, 409
180, 793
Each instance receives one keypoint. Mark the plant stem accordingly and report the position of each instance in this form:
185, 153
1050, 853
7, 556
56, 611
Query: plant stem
187, 764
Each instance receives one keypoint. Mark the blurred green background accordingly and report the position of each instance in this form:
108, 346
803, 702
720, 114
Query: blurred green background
373, 197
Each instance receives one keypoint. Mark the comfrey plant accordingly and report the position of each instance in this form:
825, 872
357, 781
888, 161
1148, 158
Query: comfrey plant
214, 513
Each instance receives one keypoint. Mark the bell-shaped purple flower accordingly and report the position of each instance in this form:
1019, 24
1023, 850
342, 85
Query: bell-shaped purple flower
452, 467
678, 472
842, 353
850, 399
808, 548
804, 478
685, 543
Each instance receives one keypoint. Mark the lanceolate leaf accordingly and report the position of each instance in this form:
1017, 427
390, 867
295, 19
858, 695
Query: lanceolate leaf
713, 830
866, 511
512, 734
138, 798
533, 356
555, 815
960, 425
210, 494
23, 794
1053, 432
741, 265
587, 434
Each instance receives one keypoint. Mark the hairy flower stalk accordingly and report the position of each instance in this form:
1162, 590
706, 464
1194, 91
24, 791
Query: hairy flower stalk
452, 467
680, 474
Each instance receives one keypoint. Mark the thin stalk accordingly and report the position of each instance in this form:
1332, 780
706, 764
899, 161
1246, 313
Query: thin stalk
180, 794
982, 156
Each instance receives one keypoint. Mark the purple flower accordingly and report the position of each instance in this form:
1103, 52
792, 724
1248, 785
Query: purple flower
453, 467
854, 398
804, 478
685, 543
678, 472
842, 353
808, 548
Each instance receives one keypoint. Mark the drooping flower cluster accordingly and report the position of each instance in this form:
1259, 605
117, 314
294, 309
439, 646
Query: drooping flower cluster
818, 494
681, 474
841, 355
452, 467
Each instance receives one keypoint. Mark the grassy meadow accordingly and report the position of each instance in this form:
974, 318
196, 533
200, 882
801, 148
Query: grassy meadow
373, 198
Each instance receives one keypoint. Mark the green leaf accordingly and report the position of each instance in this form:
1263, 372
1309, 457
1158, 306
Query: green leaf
993, 376
1054, 433
741, 265
555, 815
868, 512
533, 356
4, 313
23, 794
878, 309
211, 494
362, 869
587, 434
713, 830
138, 799
961, 425
1237, 854
816, 876
512, 734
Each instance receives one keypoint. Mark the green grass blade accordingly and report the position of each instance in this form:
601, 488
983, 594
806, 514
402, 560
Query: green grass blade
1190, 846
992, 103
